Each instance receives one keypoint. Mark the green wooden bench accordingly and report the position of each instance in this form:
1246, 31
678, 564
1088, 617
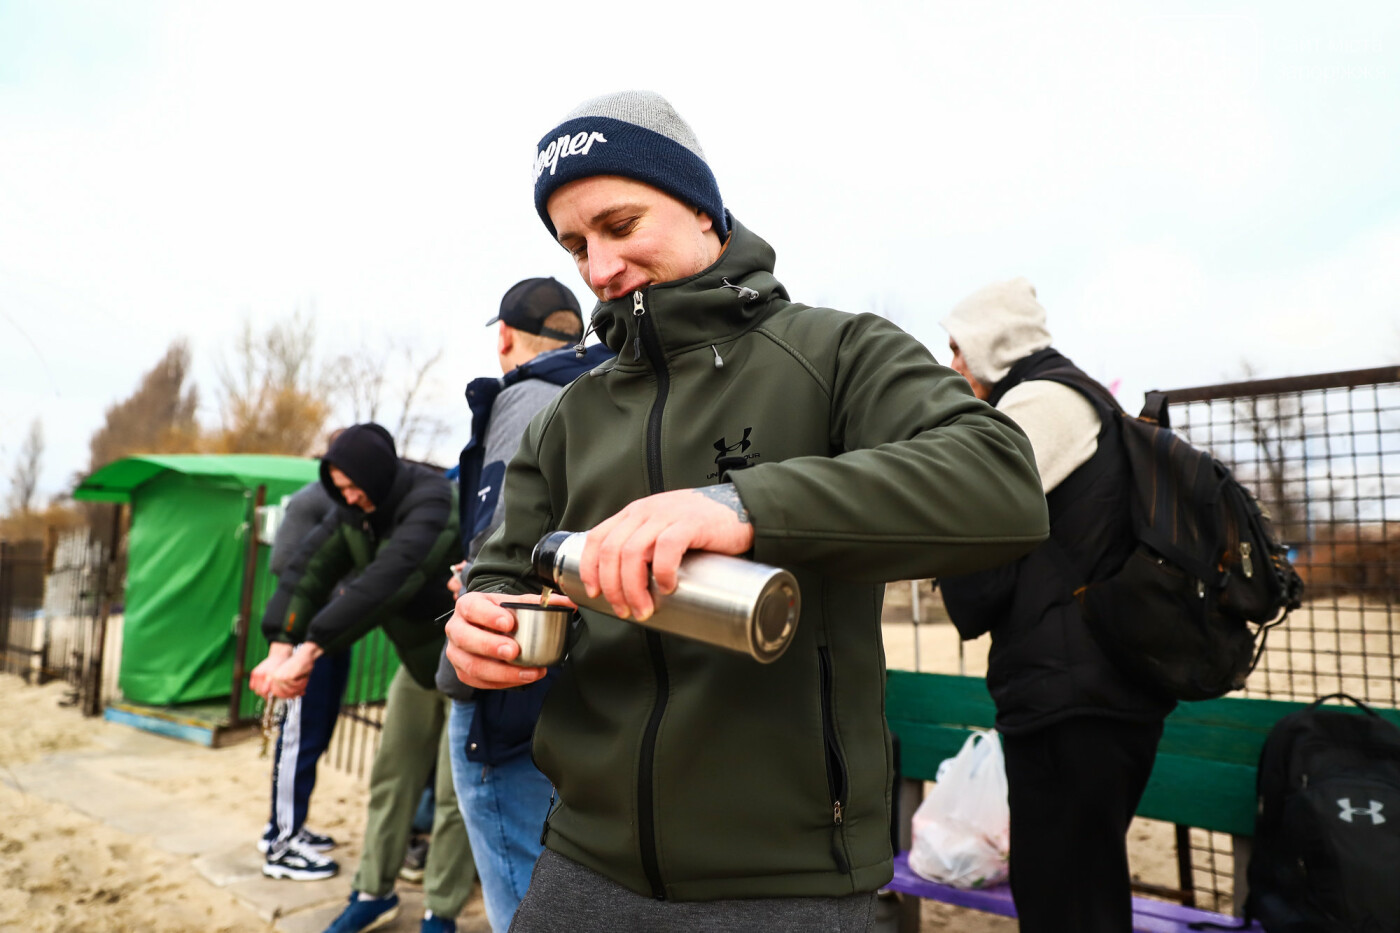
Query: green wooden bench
1203, 777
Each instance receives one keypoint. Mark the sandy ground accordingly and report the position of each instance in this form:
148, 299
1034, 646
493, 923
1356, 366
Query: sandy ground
64, 871
105, 828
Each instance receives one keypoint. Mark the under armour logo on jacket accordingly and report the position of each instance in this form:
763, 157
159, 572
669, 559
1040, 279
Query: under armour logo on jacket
742, 446
1373, 811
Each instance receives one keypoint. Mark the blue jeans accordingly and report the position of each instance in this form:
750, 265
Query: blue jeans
504, 807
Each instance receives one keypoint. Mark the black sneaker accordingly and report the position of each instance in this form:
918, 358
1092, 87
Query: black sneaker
415, 860
300, 864
305, 838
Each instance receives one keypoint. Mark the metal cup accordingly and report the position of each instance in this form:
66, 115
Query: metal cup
541, 631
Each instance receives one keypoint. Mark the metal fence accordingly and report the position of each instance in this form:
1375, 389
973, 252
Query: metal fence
22, 647
358, 729
55, 600
1322, 453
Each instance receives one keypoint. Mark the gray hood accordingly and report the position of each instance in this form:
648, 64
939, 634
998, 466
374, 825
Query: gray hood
996, 326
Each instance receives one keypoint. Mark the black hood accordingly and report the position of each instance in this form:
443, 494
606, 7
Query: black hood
366, 454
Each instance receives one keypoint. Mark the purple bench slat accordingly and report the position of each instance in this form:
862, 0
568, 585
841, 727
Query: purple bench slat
1149, 916
993, 900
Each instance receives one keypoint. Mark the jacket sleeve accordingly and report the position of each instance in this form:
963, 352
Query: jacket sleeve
978, 601
397, 571
926, 479
322, 557
510, 416
503, 563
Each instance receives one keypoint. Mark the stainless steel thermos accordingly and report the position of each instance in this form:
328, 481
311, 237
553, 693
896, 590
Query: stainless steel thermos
726, 601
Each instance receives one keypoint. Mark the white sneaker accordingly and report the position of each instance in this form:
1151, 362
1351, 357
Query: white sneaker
316, 842
300, 864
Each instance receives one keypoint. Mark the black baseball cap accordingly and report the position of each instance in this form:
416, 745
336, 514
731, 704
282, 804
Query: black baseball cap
527, 304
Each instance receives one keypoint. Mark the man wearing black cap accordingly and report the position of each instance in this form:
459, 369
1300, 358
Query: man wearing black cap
394, 536
503, 796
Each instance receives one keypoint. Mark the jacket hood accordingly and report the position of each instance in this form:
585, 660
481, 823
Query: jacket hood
710, 306
365, 453
996, 326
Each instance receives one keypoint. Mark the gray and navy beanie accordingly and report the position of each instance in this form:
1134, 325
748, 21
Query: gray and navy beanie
635, 134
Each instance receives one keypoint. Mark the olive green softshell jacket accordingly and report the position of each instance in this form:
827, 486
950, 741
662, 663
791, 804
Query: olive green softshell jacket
685, 771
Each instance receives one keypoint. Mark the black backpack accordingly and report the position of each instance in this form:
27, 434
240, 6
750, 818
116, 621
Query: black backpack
1326, 853
1176, 617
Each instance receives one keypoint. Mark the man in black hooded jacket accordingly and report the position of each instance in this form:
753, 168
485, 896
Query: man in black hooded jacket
1079, 736
396, 531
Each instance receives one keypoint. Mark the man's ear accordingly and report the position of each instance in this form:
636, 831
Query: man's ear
505, 339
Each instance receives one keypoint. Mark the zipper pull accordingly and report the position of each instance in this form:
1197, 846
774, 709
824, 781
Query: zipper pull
1245, 550
638, 309
548, 813
836, 816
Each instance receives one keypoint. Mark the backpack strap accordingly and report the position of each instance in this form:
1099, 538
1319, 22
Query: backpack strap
1342, 696
1154, 409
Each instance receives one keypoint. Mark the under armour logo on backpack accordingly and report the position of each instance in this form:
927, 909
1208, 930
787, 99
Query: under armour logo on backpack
1373, 811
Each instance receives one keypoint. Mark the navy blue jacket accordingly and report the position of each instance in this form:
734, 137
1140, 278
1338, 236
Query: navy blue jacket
505, 719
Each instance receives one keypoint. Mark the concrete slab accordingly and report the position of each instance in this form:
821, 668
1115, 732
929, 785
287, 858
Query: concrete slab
275, 898
230, 865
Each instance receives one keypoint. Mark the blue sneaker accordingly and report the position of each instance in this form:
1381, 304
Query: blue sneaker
433, 924
363, 915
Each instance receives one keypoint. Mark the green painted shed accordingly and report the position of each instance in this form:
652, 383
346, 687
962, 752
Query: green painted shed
188, 553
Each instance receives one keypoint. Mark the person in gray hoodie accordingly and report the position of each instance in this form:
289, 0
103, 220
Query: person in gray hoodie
502, 795
306, 722
1079, 736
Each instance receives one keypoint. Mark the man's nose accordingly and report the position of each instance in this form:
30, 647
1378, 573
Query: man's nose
604, 265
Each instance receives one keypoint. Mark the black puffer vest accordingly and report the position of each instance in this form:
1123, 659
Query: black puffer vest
1045, 665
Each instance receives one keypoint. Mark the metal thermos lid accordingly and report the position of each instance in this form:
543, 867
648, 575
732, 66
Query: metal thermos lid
546, 554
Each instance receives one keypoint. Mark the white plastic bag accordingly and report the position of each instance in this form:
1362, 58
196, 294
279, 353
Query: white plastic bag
962, 830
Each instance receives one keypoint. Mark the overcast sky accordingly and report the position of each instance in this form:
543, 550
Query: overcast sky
1189, 186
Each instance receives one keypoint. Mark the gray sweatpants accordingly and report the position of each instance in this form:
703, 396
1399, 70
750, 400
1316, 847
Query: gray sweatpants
565, 896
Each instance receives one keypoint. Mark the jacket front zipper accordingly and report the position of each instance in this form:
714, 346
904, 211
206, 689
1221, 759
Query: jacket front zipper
648, 340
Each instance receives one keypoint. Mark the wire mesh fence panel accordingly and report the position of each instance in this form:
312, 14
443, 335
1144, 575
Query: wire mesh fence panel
357, 730
1212, 860
1322, 454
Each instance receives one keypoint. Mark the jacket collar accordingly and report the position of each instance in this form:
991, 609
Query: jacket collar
705, 308
382, 518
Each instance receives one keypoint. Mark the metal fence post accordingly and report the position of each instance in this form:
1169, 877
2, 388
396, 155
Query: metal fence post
245, 608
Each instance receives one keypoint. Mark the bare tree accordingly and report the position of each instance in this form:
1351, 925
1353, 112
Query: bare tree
159, 417
389, 387
1270, 454
24, 480
274, 398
